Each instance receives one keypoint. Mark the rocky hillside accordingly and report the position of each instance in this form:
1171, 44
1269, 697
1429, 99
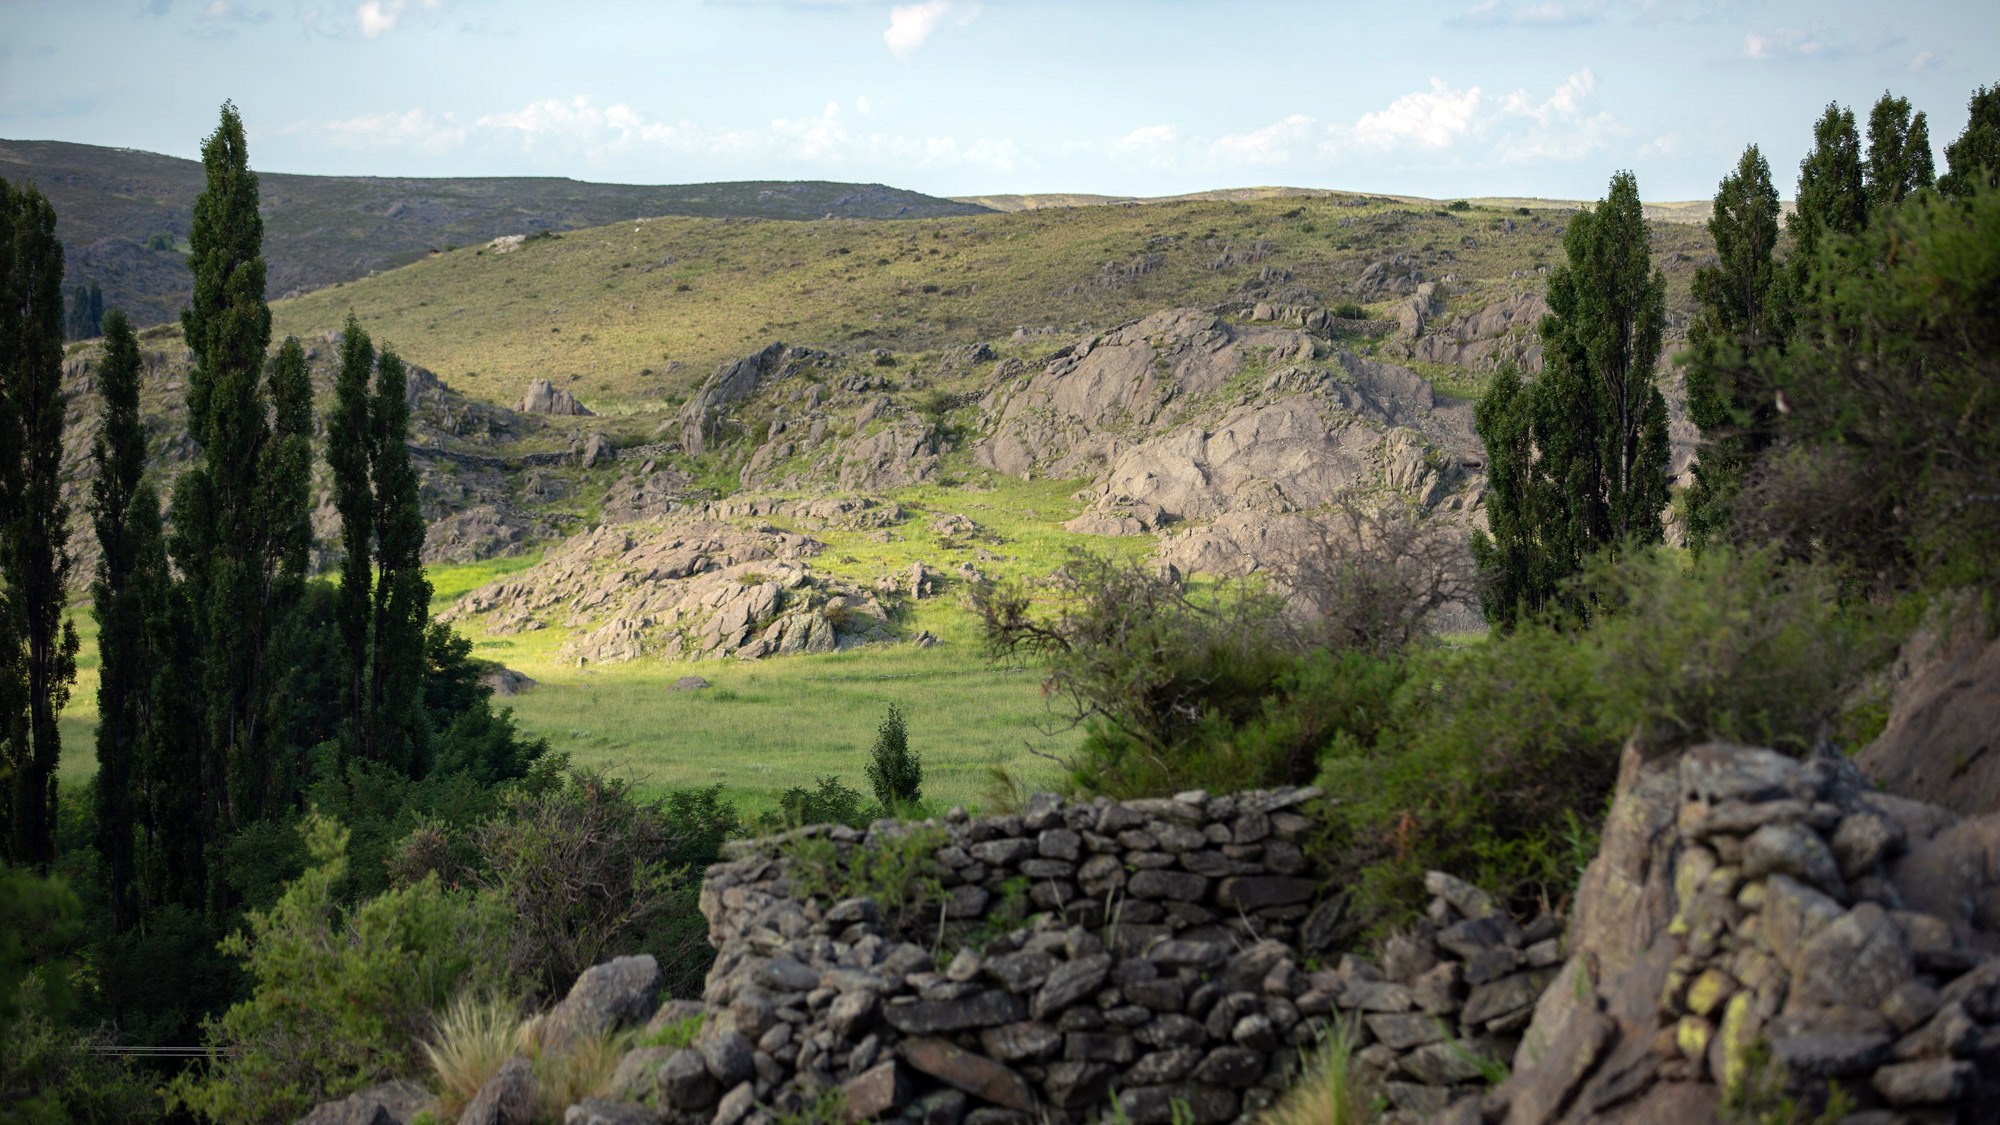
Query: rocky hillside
123, 216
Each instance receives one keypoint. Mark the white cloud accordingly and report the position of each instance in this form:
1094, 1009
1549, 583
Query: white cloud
1813, 43
863, 106
1434, 118
413, 129
379, 17
1273, 144
911, 24
1666, 144
1923, 61
1153, 144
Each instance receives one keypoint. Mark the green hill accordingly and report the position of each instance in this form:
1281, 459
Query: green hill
123, 215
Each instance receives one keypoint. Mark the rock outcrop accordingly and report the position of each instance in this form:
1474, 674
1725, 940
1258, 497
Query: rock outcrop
1778, 928
544, 397
691, 588
1942, 743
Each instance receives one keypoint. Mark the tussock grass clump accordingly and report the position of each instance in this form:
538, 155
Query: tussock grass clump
1328, 1090
474, 1035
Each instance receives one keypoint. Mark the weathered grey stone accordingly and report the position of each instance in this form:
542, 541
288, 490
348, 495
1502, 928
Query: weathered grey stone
1505, 996
876, 1091
1162, 995
1180, 886
1443, 1063
1483, 932
1003, 852
636, 1074
1173, 1030
1548, 1090
1929, 1082
728, 1054
1949, 1032
1160, 1067
1718, 771
1163, 1105
939, 1107
507, 1098
1060, 843
735, 1105
1069, 982
624, 990
1404, 1031
607, 1111
1795, 850
1018, 1042
1075, 1083
1858, 959
390, 1103
1376, 996
1191, 954
966, 900
1230, 1066
928, 1017
1091, 1046
1021, 971
685, 1082
1255, 892
975, 1074
786, 975
1830, 1043
852, 1013
1439, 991
1864, 840
1792, 914
1468, 900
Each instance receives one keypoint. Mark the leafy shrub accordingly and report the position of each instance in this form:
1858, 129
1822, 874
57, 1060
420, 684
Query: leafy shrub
340, 996
1485, 754
585, 869
896, 775
1733, 645
900, 871
682, 1032
1349, 311
829, 801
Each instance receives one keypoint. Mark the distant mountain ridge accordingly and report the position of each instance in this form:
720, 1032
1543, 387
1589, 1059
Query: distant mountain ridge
123, 215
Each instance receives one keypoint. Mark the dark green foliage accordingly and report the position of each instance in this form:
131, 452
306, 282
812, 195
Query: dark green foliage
1889, 458
37, 645
239, 514
1974, 158
341, 995
1151, 669
384, 606
86, 312
1348, 311
1899, 152
1744, 309
128, 595
827, 802
1832, 197
585, 869
896, 775
1580, 456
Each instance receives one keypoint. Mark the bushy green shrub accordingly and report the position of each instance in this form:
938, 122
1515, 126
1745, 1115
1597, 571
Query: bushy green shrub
829, 801
340, 996
585, 870
896, 775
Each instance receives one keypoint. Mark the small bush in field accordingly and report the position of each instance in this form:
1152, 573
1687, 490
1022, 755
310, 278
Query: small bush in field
896, 775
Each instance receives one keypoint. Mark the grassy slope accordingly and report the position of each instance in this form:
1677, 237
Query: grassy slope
631, 317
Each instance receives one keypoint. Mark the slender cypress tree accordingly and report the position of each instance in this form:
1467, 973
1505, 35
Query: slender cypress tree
240, 518
1974, 158
402, 592
34, 521
1744, 309
1899, 152
131, 580
384, 607
348, 437
1580, 457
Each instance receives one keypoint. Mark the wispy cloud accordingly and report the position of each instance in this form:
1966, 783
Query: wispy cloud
579, 130
1924, 60
1513, 128
1494, 13
379, 17
1153, 145
221, 18
910, 25
1276, 143
1813, 43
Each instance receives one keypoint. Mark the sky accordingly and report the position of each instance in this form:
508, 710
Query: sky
956, 97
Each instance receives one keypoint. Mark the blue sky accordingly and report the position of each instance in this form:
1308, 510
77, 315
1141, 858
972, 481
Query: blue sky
1466, 97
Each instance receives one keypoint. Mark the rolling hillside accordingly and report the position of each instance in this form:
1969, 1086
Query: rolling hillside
123, 215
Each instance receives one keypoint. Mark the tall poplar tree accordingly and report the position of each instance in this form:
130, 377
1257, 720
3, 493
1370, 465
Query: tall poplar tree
37, 645
126, 596
1832, 197
241, 528
1973, 159
1744, 308
1899, 152
384, 606
1583, 455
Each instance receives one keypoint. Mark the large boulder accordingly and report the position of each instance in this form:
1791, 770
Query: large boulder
1942, 744
544, 397
391, 1103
